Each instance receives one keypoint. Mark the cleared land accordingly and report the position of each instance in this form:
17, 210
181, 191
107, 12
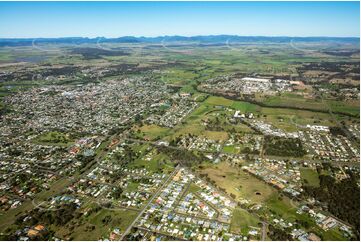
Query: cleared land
238, 182
310, 177
241, 220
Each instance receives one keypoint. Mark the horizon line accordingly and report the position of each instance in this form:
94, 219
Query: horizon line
186, 36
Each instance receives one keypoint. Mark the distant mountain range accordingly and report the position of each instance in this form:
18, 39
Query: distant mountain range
206, 39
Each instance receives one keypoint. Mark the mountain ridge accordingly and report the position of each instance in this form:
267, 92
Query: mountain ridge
174, 38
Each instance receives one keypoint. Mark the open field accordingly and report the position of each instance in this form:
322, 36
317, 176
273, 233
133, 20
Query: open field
55, 138
238, 182
244, 107
216, 135
151, 132
297, 101
93, 227
157, 163
281, 206
310, 176
352, 107
219, 101
294, 100
241, 220
283, 118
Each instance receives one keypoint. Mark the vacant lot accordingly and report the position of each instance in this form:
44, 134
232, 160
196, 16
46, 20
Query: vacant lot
292, 100
104, 222
213, 100
297, 101
351, 107
238, 182
54, 138
245, 107
310, 177
215, 135
157, 163
241, 220
153, 132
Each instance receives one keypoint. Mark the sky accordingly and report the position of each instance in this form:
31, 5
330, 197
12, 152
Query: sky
116, 19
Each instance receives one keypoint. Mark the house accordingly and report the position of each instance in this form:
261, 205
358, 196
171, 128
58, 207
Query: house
33, 233
39, 227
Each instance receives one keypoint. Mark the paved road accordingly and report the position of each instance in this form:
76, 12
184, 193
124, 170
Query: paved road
150, 202
264, 230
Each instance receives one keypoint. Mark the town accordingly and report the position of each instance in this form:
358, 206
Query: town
213, 138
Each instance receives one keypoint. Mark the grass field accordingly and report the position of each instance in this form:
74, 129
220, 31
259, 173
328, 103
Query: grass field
8, 218
153, 132
332, 235
192, 124
203, 109
236, 105
352, 107
245, 107
310, 176
231, 149
194, 188
238, 182
119, 219
297, 101
208, 109
244, 185
293, 100
215, 135
158, 163
292, 120
54, 138
132, 187
241, 220
179, 76
284, 118
281, 206
213, 100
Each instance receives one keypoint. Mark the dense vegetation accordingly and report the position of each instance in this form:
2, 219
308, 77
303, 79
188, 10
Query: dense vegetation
278, 234
280, 146
185, 157
342, 197
337, 131
61, 216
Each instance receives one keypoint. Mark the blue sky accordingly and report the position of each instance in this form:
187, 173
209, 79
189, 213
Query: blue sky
115, 19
